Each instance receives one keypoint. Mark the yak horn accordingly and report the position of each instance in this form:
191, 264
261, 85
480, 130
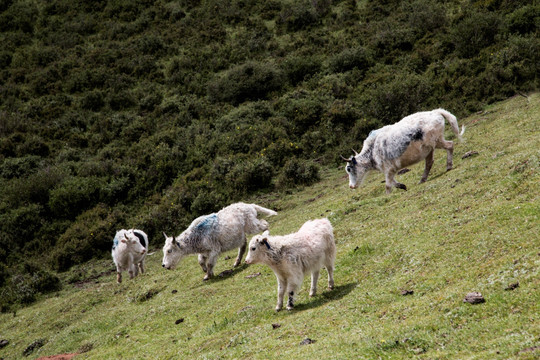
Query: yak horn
355, 152
344, 158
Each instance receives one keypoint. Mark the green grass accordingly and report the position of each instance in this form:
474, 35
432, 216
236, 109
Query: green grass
475, 228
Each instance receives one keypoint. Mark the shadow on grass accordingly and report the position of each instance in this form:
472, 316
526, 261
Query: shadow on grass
224, 275
338, 293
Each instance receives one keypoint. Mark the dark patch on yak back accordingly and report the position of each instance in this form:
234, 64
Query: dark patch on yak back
418, 135
140, 237
402, 143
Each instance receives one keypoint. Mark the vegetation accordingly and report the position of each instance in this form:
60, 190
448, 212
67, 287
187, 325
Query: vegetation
474, 228
149, 113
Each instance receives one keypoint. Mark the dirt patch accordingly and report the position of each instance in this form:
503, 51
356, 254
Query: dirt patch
81, 283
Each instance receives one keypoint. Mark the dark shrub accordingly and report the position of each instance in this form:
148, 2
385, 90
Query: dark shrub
400, 96
475, 32
250, 175
303, 111
18, 167
352, 58
121, 100
74, 196
425, 16
524, 20
300, 15
90, 236
22, 223
93, 100
250, 81
298, 68
298, 172
206, 201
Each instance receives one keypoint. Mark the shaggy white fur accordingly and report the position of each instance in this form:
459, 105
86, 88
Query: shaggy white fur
128, 252
404, 143
211, 235
292, 256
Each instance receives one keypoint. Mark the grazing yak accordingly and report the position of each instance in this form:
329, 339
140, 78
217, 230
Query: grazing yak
211, 235
128, 252
404, 143
294, 255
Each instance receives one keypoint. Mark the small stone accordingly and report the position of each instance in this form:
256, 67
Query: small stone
407, 292
275, 326
179, 321
174, 291
3, 343
474, 298
307, 341
512, 286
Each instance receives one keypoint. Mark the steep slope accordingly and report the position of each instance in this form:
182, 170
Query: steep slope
474, 228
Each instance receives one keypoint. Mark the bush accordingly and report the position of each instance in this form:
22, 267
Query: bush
250, 175
26, 282
74, 195
524, 20
298, 68
93, 100
349, 59
396, 98
90, 236
298, 172
301, 15
250, 81
475, 32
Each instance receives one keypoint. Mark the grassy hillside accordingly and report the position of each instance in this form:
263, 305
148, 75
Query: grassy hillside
138, 113
475, 228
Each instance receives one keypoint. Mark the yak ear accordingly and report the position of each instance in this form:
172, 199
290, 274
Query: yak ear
265, 242
353, 160
266, 233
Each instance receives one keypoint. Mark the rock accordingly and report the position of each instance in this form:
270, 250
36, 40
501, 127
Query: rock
469, 154
512, 286
407, 292
3, 343
174, 291
275, 326
474, 298
307, 341
33, 346
181, 320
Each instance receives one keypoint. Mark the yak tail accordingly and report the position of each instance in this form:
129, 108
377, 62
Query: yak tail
452, 120
263, 210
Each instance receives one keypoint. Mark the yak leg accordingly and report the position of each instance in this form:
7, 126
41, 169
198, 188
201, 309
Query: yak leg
293, 286
212, 258
119, 277
429, 164
314, 278
391, 182
449, 147
330, 268
141, 267
241, 252
282, 286
202, 262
